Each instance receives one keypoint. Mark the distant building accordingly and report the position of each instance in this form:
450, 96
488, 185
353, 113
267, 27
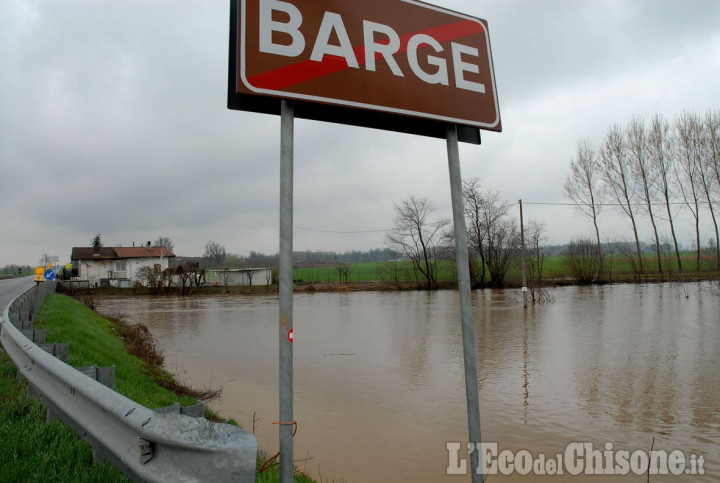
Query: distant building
117, 266
244, 276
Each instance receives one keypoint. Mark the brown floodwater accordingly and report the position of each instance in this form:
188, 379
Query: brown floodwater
379, 385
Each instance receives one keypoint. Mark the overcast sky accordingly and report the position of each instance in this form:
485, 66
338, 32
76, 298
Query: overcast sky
113, 120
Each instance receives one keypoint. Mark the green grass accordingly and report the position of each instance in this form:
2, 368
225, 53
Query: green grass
32, 450
93, 341
272, 474
371, 272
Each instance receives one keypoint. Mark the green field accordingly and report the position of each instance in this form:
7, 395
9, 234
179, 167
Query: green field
617, 268
370, 272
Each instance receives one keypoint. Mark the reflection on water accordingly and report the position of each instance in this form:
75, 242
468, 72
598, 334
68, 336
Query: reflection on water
379, 376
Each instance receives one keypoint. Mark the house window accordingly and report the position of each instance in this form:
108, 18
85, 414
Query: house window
121, 266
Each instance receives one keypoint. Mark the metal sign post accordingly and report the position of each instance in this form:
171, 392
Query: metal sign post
285, 262
466, 315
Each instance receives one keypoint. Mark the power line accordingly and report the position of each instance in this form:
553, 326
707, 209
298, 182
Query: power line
341, 231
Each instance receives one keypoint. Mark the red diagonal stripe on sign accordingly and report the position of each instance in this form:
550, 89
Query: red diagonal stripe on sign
303, 71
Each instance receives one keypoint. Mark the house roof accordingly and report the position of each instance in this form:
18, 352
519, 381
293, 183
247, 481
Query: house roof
87, 253
119, 253
143, 252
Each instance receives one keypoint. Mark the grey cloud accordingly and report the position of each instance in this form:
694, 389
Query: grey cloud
113, 120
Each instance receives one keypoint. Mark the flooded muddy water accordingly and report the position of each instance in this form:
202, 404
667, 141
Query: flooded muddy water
379, 387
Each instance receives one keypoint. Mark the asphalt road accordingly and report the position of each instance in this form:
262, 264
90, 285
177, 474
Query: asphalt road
11, 288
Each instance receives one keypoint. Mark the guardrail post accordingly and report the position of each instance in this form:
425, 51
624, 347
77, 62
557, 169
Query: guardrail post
61, 350
39, 336
32, 391
103, 375
106, 376
195, 411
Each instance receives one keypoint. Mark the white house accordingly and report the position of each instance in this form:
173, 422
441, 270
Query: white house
117, 266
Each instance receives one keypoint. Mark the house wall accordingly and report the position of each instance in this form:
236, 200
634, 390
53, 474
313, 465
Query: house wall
94, 270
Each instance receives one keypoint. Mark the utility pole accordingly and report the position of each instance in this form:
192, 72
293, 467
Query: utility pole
522, 258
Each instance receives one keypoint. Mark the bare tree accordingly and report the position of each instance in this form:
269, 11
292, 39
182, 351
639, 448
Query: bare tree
536, 241
475, 204
189, 274
688, 131
343, 271
249, 272
712, 128
150, 277
215, 252
584, 187
415, 235
638, 147
617, 174
491, 235
582, 260
44, 259
197, 273
503, 248
165, 242
185, 279
167, 278
393, 272
226, 277
662, 161
706, 174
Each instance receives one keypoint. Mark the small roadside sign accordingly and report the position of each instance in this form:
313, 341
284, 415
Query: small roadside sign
39, 272
49, 275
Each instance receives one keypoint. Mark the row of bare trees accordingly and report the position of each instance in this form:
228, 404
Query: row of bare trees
651, 170
418, 237
493, 237
161, 281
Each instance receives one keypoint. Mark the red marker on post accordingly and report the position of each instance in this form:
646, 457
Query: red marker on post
290, 335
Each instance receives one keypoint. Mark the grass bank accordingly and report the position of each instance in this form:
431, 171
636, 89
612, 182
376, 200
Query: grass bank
33, 450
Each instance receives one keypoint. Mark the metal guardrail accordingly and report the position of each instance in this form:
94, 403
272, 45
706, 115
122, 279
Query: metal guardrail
145, 445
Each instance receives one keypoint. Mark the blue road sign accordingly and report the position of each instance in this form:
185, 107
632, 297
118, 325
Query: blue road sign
49, 275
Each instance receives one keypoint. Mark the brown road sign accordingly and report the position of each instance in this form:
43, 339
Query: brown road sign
401, 65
